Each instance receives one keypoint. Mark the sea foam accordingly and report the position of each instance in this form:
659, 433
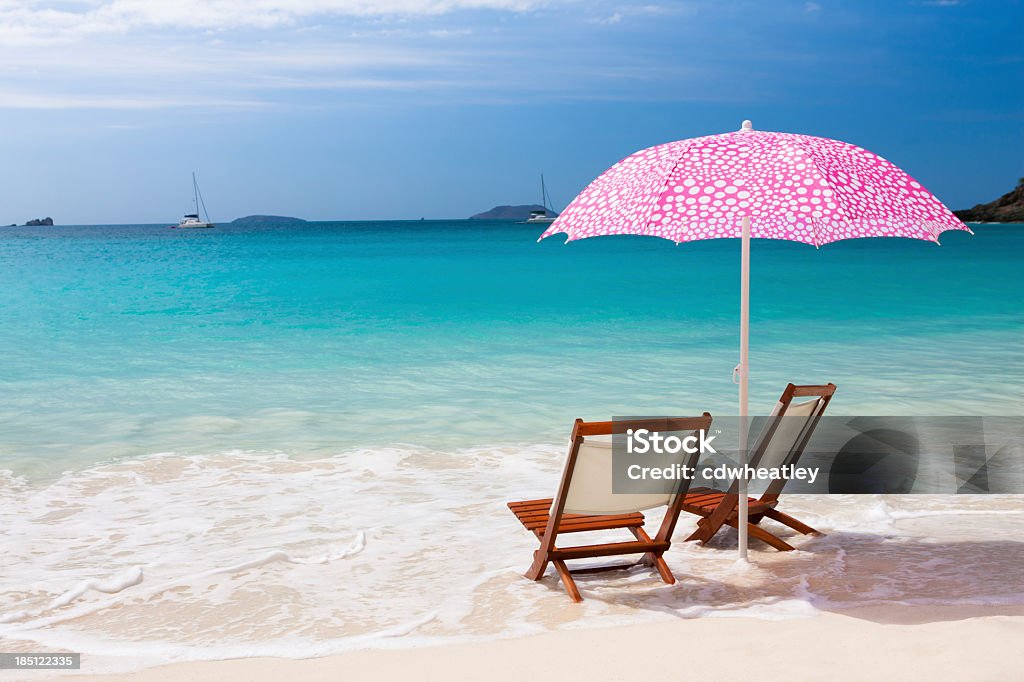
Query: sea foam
173, 557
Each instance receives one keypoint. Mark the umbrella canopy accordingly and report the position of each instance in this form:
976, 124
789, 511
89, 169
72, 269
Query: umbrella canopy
796, 187
755, 184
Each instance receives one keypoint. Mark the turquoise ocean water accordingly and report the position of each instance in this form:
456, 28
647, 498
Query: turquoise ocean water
295, 441
120, 341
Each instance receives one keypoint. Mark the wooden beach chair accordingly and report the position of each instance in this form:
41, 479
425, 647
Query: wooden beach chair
585, 502
781, 442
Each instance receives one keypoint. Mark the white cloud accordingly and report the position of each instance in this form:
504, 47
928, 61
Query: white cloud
661, 9
215, 55
27, 100
812, 7
608, 20
629, 11
134, 74
449, 33
35, 21
152, 54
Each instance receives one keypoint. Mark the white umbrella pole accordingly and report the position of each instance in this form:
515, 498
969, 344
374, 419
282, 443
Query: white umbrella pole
744, 371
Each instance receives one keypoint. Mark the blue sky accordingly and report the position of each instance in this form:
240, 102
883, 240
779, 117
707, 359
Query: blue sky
378, 109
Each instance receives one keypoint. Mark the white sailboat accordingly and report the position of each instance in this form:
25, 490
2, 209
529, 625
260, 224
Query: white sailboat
192, 220
547, 215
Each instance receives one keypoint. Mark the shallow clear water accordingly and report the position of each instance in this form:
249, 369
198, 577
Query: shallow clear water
128, 340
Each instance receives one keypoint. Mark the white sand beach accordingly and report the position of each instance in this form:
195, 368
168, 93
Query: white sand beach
918, 643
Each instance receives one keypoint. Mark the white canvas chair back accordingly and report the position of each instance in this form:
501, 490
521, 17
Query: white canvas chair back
788, 434
784, 437
590, 490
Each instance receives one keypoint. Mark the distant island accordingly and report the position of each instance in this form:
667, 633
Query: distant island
257, 219
511, 212
1008, 208
40, 222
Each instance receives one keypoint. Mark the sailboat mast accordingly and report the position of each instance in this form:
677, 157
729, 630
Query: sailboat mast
198, 198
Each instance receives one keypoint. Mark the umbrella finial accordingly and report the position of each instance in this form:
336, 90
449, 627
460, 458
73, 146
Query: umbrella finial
747, 126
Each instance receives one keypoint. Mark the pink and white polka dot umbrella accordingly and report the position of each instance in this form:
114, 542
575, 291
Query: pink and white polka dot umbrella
755, 184
797, 187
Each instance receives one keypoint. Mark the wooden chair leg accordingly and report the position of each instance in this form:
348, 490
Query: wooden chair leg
567, 581
655, 560
764, 536
663, 570
791, 522
703, 532
697, 535
537, 568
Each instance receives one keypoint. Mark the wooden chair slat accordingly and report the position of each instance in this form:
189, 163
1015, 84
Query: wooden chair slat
530, 503
703, 498
574, 523
596, 523
610, 549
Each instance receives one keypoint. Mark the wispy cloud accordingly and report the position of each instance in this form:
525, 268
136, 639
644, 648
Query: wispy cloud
633, 11
38, 22
153, 54
609, 20
314, 54
29, 100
